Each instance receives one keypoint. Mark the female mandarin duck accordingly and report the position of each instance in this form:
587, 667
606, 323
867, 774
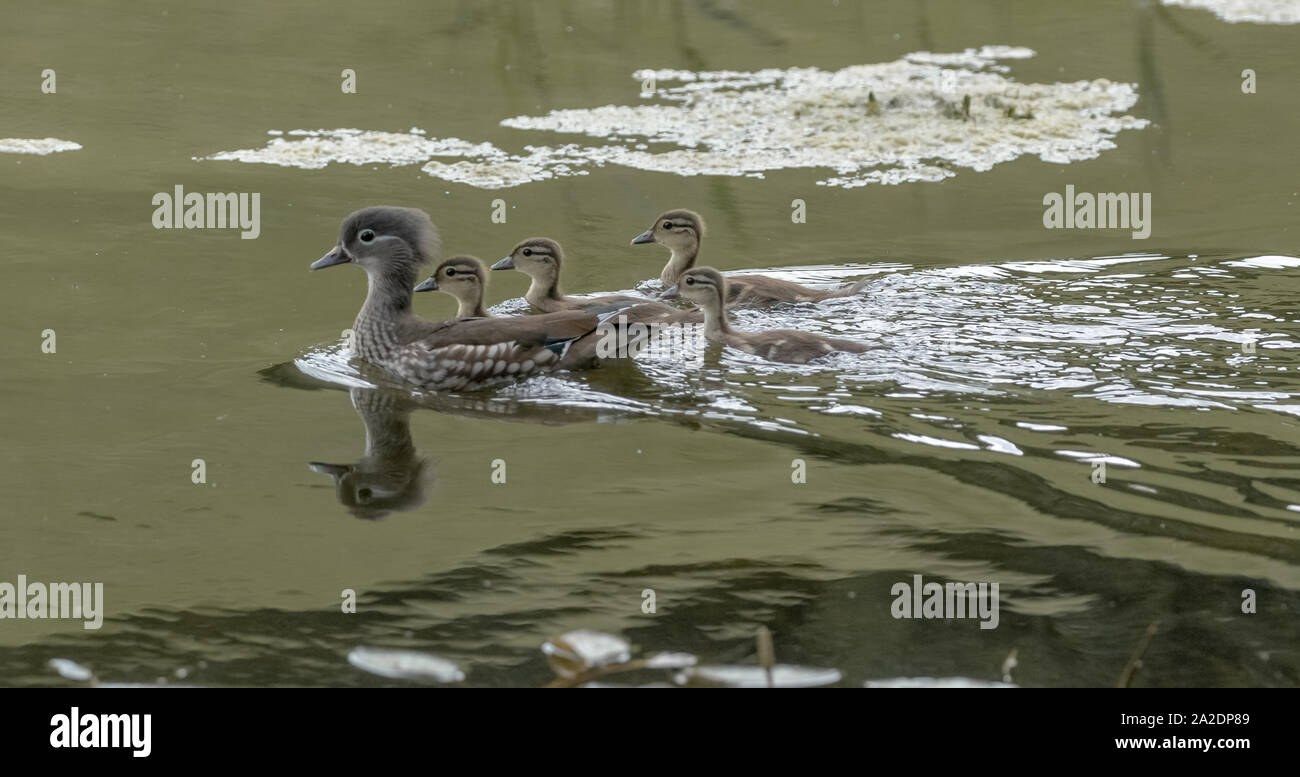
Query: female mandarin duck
391, 244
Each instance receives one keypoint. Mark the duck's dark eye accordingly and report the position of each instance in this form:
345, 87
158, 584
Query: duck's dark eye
528, 252
451, 271
668, 225
366, 235
690, 281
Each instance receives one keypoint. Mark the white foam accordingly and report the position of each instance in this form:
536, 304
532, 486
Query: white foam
1267, 262
883, 123
919, 118
314, 149
40, 146
1255, 11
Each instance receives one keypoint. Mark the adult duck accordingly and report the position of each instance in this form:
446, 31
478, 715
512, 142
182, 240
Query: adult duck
391, 244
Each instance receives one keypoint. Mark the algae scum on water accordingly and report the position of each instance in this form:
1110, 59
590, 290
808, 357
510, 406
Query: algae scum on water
40, 146
1253, 11
919, 118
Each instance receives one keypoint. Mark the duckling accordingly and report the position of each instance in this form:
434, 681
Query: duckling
463, 278
682, 231
706, 287
391, 244
541, 258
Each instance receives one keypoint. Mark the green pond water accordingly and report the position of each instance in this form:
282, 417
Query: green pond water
1017, 356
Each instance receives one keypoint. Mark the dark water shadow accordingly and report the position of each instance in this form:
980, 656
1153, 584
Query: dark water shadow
467, 614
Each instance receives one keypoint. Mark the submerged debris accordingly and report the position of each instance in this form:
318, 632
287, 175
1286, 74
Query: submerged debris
405, 665
779, 676
935, 682
70, 670
581, 651
1135, 661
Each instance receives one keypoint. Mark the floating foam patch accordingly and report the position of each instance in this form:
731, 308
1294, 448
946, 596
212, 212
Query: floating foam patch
919, 118
1267, 262
1255, 11
314, 149
40, 146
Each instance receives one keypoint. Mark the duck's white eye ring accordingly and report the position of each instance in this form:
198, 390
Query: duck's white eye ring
366, 235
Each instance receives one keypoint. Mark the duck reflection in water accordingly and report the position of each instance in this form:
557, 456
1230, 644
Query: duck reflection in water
391, 477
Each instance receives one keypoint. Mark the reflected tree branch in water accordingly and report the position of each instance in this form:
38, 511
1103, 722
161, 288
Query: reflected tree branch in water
1195, 39
766, 653
691, 55
723, 200
923, 29
1149, 12
1154, 88
734, 18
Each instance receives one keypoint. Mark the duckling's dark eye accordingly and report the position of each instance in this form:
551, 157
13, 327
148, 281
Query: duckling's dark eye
366, 235
668, 225
690, 281
528, 252
451, 271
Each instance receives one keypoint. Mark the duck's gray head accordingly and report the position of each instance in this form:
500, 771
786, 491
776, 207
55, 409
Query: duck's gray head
539, 257
703, 286
384, 240
676, 229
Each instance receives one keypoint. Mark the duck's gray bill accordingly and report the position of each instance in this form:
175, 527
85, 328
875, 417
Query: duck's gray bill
670, 293
504, 264
647, 236
335, 256
428, 284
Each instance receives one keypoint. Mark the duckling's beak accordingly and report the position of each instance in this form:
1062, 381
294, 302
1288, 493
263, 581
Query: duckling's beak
670, 293
428, 284
505, 264
647, 236
336, 256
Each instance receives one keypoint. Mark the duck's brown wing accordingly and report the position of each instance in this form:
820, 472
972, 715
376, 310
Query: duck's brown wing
659, 313
596, 303
526, 332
